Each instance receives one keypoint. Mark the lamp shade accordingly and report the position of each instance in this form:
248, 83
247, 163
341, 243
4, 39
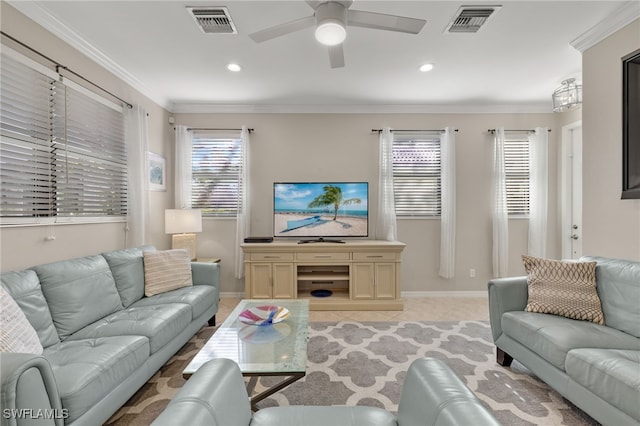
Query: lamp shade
182, 221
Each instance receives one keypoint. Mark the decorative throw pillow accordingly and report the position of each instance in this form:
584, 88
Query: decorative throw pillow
16, 332
563, 288
166, 270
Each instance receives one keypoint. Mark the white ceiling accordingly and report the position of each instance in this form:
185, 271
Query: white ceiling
512, 64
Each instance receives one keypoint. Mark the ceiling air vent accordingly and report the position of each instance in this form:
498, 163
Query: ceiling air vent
469, 19
213, 20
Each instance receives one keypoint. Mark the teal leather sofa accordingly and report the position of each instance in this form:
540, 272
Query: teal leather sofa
596, 367
102, 338
431, 395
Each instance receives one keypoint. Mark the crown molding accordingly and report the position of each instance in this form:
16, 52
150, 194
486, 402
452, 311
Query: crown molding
210, 108
624, 15
40, 15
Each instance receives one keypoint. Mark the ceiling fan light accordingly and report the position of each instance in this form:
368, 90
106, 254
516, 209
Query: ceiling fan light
426, 67
331, 32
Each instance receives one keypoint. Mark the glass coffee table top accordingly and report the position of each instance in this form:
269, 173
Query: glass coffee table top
260, 350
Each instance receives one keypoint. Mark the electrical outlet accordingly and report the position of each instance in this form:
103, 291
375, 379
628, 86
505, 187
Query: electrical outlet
472, 273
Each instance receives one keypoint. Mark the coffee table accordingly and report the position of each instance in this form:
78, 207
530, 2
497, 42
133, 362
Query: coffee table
271, 350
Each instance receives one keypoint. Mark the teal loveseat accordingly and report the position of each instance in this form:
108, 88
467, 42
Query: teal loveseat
102, 338
596, 367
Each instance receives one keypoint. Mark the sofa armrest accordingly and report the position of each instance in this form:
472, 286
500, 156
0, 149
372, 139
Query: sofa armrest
29, 392
432, 394
205, 273
505, 294
215, 396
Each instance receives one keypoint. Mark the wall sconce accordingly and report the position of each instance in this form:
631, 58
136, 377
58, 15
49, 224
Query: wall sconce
567, 96
183, 224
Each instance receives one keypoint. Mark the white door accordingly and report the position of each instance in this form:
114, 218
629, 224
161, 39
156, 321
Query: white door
572, 191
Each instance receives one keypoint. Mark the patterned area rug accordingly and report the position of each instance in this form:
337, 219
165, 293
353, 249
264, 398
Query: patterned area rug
353, 363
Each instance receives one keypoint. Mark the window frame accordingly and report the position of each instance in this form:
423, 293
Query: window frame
517, 149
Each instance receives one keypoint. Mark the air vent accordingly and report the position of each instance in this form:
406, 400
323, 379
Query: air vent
469, 19
213, 20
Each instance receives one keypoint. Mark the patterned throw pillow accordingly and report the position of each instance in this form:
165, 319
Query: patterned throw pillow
16, 332
562, 288
166, 270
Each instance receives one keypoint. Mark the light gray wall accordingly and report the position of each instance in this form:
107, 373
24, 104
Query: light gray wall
316, 147
611, 226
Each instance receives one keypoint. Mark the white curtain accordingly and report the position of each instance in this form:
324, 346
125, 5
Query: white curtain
448, 199
538, 191
136, 134
183, 171
386, 227
500, 215
243, 221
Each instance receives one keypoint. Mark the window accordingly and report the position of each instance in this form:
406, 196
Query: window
416, 174
516, 164
62, 151
216, 174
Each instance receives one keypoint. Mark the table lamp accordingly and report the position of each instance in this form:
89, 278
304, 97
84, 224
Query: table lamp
183, 224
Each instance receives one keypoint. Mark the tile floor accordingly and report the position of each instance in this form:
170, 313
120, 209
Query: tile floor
415, 309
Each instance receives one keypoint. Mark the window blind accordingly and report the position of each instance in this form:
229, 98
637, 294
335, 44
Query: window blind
61, 151
216, 177
416, 175
516, 162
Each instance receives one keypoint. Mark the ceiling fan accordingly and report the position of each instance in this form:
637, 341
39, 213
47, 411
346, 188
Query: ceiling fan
331, 17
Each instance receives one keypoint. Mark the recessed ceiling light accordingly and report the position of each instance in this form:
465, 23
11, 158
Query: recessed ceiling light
234, 67
426, 67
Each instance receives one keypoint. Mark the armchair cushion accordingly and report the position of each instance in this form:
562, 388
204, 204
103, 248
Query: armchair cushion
562, 288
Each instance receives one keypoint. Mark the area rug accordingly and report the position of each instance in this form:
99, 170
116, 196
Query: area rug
351, 363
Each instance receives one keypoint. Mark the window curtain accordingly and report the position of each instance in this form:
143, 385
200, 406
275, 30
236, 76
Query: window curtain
183, 172
386, 227
538, 191
136, 133
243, 223
448, 202
500, 215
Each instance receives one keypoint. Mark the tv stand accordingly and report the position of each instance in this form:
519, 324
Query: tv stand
320, 240
361, 274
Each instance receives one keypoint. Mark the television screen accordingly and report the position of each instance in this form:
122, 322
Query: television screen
320, 209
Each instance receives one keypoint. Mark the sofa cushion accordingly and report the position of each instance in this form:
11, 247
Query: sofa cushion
24, 288
322, 416
86, 370
619, 291
552, 337
613, 375
16, 333
79, 292
127, 267
563, 288
198, 297
160, 324
166, 270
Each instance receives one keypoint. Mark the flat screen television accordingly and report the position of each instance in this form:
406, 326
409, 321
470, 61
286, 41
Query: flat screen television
320, 210
631, 125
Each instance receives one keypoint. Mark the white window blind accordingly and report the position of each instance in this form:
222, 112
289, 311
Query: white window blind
216, 166
516, 162
62, 152
416, 174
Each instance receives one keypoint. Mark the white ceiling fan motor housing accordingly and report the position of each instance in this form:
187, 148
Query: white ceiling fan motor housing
331, 22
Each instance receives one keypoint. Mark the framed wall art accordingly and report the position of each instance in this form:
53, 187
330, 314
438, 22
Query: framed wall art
157, 172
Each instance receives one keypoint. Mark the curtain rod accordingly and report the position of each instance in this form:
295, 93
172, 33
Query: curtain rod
517, 130
210, 128
59, 65
412, 130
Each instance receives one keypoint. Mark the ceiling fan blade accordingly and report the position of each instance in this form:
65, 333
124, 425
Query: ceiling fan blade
380, 21
336, 56
282, 29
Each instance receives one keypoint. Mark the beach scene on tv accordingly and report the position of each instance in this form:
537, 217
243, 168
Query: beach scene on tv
320, 209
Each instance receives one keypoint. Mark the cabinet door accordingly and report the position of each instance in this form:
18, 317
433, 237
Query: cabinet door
260, 281
385, 281
283, 281
362, 280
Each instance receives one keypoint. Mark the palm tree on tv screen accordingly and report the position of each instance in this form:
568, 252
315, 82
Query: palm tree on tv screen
332, 196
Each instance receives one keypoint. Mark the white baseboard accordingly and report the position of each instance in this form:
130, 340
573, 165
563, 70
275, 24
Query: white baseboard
412, 294
232, 294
